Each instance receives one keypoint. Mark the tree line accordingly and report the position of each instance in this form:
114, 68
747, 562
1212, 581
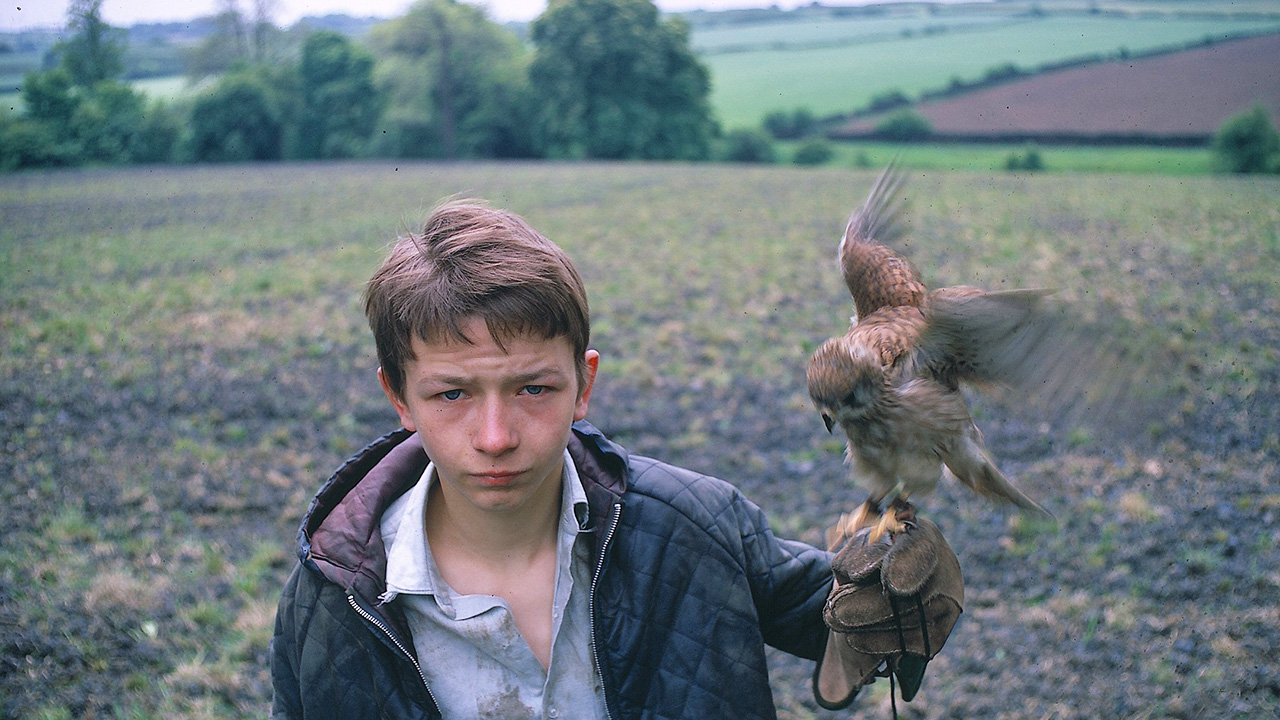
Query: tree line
594, 79
604, 79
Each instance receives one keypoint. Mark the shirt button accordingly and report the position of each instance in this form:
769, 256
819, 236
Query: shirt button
553, 713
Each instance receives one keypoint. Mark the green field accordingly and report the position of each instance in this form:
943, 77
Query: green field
184, 359
813, 30
169, 88
833, 80
993, 156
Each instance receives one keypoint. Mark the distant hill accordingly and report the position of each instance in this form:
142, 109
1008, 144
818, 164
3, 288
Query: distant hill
1174, 98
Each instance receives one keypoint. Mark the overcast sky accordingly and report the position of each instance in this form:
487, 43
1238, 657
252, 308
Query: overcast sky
18, 14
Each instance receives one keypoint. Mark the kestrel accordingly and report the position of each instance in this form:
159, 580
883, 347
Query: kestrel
893, 381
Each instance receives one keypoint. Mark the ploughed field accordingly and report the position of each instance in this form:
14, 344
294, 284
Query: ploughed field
184, 361
1180, 96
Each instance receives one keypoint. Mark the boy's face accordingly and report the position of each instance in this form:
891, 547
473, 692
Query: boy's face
494, 423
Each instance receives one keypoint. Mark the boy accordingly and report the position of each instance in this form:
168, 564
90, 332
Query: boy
499, 557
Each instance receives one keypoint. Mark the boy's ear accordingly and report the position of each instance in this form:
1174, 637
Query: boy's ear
402, 409
584, 393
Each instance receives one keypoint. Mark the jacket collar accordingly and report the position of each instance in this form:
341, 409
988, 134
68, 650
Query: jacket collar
340, 535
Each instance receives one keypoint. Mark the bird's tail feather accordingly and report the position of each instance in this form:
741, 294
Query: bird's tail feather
972, 466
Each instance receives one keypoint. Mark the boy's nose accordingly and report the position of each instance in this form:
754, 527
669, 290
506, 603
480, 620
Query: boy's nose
496, 432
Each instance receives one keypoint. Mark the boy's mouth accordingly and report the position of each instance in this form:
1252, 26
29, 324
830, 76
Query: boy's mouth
497, 478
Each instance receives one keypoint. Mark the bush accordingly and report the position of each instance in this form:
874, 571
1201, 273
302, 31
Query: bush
108, 120
789, 126
157, 138
813, 152
999, 73
747, 146
240, 119
904, 125
51, 101
1028, 160
1248, 143
888, 101
30, 144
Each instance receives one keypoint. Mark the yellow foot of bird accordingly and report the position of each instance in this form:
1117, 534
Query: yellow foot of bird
849, 524
889, 522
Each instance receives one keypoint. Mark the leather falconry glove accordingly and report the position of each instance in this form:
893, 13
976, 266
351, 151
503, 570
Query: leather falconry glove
894, 603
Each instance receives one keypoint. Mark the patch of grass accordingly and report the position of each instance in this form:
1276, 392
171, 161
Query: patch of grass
52, 713
206, 615
265, 564
1136, 506
186, 361
70, 526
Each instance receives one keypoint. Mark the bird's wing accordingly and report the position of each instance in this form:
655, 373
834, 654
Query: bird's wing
991, 338
1055, 361
875, 275
888, 332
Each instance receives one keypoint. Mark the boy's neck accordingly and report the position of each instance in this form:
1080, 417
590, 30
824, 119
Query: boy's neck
464, 532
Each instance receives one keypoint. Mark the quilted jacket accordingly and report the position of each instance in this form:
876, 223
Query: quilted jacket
689, 583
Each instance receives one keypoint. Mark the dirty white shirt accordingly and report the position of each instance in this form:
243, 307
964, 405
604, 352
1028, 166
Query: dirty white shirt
476, 663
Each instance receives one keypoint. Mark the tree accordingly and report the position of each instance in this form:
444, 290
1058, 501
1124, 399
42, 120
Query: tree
340, 104
904, 125
263, 28
616, 80
747, 145
790, 126
50, 101
239, 119
1248, 143
78, 112
25, 143
93, 52
1029, 160
107, 122
224, 48
888, 100
457, 83
813, 152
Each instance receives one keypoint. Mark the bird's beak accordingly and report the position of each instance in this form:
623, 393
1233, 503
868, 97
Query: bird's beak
828, 421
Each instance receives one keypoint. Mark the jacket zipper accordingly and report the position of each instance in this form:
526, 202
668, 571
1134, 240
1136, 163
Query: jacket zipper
591, 603
368, 616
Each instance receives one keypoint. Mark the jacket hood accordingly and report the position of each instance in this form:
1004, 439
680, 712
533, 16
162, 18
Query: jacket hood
341, 537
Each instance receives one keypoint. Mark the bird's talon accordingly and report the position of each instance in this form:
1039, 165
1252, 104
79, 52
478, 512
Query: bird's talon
850, 523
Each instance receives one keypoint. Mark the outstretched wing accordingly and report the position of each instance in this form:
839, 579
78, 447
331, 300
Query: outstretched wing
875, 275
990, 338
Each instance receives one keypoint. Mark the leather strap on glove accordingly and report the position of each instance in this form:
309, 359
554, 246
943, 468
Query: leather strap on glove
894, 603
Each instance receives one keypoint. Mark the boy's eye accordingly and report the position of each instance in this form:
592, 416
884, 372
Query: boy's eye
534, 389
451, 394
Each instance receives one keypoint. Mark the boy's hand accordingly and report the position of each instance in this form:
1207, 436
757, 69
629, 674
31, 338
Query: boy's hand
894, 603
